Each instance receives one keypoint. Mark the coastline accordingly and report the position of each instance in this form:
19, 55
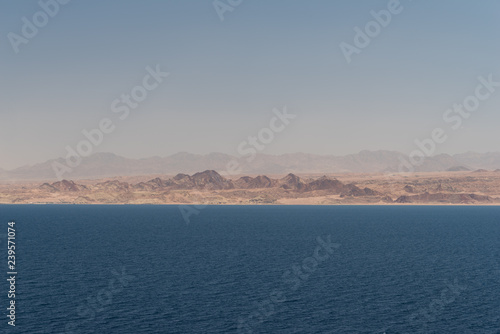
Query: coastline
258, 204
210, 188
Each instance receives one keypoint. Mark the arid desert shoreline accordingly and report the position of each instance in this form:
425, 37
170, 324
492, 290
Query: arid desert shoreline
210, 188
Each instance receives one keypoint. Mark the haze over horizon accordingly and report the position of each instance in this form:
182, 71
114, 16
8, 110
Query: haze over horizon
243, 157
226, 77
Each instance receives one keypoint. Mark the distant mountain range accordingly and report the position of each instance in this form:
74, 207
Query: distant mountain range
101, 165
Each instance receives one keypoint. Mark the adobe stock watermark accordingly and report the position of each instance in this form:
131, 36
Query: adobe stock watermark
292, 279
222, 6
30, 27
97, 302
247, 149
428, 314
454, 116
120, 106
363, 37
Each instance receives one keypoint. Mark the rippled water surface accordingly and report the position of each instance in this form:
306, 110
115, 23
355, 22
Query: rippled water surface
255, 269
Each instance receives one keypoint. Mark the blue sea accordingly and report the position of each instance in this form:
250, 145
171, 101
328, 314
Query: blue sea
254, 269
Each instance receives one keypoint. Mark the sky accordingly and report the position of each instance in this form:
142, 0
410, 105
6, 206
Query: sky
227, 76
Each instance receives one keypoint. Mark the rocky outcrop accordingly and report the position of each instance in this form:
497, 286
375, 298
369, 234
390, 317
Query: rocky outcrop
184, 188
63, 186
154, 184
325, 183
387, 199
445, 198
409, 189
247, 182
353, 190
183, 181
47, 187
207, 180
293, 182
403, 199
211, 180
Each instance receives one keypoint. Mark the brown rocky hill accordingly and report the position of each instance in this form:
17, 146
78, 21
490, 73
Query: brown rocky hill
248, 182
445, 198
63, 185
211, 180
324, 183
293, 182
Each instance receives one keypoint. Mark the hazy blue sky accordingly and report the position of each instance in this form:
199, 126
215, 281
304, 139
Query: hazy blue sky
227, 76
